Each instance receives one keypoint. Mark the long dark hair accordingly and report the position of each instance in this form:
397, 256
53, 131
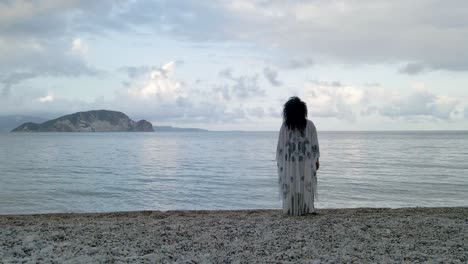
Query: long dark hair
295, 114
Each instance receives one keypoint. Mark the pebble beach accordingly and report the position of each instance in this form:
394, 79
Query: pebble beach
363, 235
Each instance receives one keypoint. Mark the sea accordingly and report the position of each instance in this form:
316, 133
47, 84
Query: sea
104, 172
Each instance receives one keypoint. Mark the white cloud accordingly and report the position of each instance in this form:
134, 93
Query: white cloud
331, 99
350, 95
160, 84
160, 95
168, 68
46, 99
421, 103
79, 47
335, 100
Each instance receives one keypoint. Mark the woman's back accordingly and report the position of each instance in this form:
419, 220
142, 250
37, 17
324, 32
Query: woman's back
297, 158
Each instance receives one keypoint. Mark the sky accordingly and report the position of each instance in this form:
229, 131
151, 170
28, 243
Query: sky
231, 65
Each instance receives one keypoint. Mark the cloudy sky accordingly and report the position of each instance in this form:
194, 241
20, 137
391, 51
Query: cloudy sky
359, 65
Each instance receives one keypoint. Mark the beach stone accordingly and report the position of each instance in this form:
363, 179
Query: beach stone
92, 250
360, 235
46, 250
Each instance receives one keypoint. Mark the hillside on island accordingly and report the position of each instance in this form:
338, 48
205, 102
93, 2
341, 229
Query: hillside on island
90, 121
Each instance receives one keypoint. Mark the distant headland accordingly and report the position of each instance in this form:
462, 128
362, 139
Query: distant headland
177, 129
90, 121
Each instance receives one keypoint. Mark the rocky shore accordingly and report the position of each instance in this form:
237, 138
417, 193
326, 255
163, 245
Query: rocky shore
435, 235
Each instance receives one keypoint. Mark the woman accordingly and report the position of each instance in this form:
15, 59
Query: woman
297, 157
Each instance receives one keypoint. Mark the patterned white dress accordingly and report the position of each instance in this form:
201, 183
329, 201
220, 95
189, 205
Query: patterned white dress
296, 157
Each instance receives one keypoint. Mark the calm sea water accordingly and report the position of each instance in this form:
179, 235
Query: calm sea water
99, 172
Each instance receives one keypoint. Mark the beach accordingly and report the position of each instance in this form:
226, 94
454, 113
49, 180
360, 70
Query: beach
240, 236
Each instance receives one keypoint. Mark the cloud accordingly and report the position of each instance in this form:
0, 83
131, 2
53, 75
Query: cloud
291, 63
241, 87
13, 79
294, 64
326, 83
135, 71
42, 103
466, 112
46, 99
49, 38
274, 112
45, 64
226, 73
35, 41
429, 33
160, 84
222, 92
372, 84
257, 111
185, 20
156, 93
418, 68
44, 19
421, 103
272, 76
245, 87
413, 68
36, 58
79, 47
331, 99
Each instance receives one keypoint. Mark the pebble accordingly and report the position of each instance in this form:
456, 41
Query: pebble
244, 236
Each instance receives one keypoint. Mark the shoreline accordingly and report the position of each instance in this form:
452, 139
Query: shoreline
220, 211
334, 235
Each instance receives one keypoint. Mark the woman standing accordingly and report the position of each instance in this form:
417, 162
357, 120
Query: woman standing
297, 157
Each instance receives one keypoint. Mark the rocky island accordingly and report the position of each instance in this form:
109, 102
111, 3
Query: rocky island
90, 121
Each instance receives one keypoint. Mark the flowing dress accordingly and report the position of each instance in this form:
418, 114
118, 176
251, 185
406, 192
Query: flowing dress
296, 156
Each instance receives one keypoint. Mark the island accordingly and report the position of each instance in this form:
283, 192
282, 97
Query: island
89, 121
177, 129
